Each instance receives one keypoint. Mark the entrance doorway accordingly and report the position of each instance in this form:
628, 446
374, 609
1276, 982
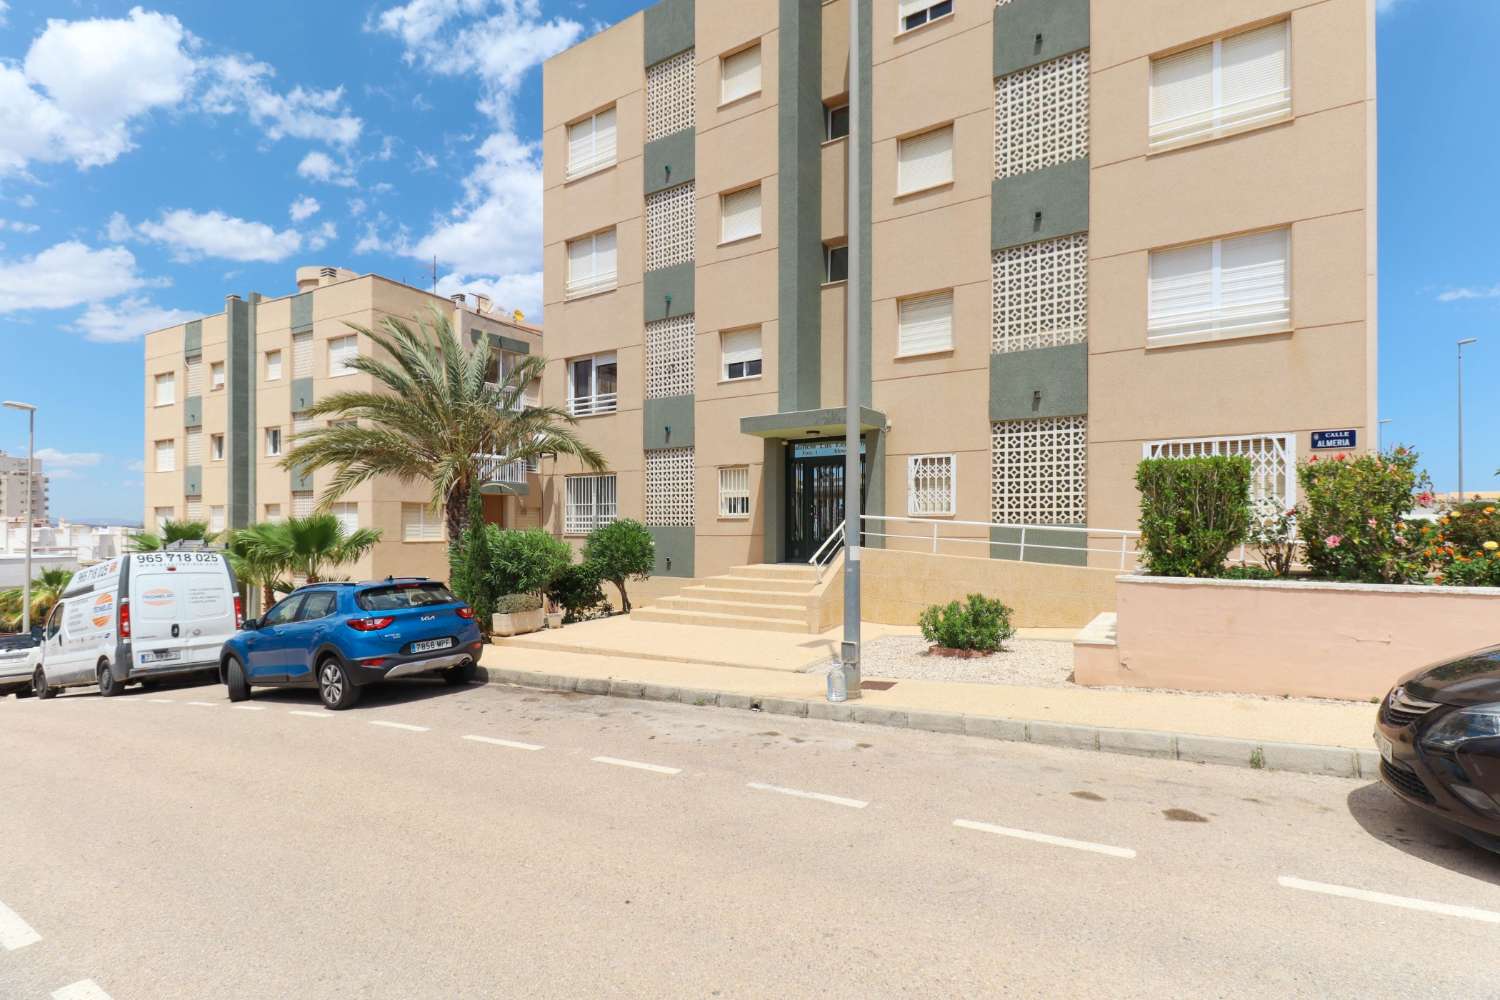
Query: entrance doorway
815, 493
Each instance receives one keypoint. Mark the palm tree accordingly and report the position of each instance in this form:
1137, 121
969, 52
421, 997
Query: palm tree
172, 531
46, 589
253, 553
433, 417
300, 546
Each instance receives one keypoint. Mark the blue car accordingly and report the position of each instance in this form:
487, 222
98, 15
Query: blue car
338, 637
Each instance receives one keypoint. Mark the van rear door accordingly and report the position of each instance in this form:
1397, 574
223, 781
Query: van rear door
181, 609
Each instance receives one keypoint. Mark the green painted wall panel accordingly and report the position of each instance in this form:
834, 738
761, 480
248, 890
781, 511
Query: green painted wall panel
302, 481
669, 29
192, 481
1041, 205
192, 411
669, 422
241, 439
670, 161
302, 311
302, 394
668, 292
799, 200
674, 549
1028, 32
192, 337
772, 499
1054, 546
1048, 382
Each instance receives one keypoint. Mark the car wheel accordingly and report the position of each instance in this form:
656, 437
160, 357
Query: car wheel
334, 686
39, 685
234, 679
108, 686
461, 674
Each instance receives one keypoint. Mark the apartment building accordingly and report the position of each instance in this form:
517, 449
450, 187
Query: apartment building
13, 488
226, 395
1098, 231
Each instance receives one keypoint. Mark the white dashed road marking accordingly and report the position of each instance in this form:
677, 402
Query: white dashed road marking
311, 715
819, 796
399, 725
15, 932
1046, 838
1386, 899
249, 708
617, 762
504, 743
84, 989
203, 704
162, 701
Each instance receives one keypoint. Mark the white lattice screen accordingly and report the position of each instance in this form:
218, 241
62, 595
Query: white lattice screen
669, 486
1042, 115
302, 355
670, 92
1038, 471
195, 509
195, 447
1039, 295
1273, 464
303, 502
670, 224
669, 357
929, 485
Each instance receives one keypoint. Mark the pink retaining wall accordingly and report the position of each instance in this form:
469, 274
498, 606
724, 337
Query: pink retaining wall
1325, 640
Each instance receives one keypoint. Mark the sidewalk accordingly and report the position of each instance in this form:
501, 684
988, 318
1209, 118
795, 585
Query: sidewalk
734, 668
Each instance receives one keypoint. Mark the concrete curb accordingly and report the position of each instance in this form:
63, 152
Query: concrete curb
1341, 762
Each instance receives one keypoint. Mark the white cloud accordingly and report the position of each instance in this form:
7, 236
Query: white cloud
424, 161
127, 319
319, 166
3, 8
304, 208
68, 460
357, 206
26, 201
301, 114
118, 228
1466, 294
17, 226
519, 291
191, 235
67, 274
322, 236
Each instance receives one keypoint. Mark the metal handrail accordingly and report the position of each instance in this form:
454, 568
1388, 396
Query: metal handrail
819, 559
1124, 536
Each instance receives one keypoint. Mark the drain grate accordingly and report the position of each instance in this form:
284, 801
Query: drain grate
876, 685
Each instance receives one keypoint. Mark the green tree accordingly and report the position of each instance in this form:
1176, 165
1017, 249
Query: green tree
172, 531
433, 417
255, 553
526, 562
46, 588
469, 562
309, 547
621, 551
1194, 511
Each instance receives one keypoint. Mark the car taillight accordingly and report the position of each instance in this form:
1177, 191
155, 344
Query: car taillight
373, 661
466, 612
239, 612
125, 619
370, 624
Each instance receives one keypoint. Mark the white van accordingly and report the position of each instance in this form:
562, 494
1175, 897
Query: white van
138, 618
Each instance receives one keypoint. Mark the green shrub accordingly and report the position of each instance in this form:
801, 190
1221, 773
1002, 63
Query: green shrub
469, 564
1353, 517
1194, 512
1466, 571
576, 591
621, 551
1249, 572
526, 562
511, 604
981, 624
1463, 545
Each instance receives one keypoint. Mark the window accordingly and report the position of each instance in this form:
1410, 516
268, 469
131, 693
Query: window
273, 442
341, 351
420, 523
166, 388
284, 612
166, 456
739, 74
273, 366
216, 448
590, 503
915, 13
591, 264
835, 263
739, 214
216, 517
930, 485
1233, 83
302, 355
302, 503
734, 491
317, 604
591, 143
740, 354
835, 122
216, 376
272, 512
403, 596
195, 376
161, 515
925, 324
924, 161
347, 515
593, 385
1227, 288
1273, 464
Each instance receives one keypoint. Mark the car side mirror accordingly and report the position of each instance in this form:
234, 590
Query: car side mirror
251, 624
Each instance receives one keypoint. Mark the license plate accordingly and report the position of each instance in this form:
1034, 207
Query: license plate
1384, 746
429, 645
161, 655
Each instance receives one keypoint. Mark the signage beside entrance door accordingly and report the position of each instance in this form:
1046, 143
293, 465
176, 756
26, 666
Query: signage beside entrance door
815, 494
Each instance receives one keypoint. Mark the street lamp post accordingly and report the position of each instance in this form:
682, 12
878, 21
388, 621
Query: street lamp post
1461, 343
30, 412
1380, 434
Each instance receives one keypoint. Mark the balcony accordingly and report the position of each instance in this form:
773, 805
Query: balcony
595, 405
500, 469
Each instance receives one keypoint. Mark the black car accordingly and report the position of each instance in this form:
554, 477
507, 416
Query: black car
1438, 732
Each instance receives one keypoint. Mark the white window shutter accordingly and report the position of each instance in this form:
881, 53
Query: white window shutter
216, 518
195, 447
741, 345
741, 214
580, 145
302, 355
1255, 82
1253, 283
741, 74
341, 351
909, 7
195, 376
591, 143
1182, 94
273, 366
925, 161
1182, 292
926, 324
166, 456
348, 516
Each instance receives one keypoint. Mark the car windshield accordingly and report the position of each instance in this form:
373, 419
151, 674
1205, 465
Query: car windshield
398, 596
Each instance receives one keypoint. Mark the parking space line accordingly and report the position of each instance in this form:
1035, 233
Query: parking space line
819, 796
399, 725
311, 715
1046, 838
504, 743
617, 762
15, 932
84, 989
249, 708
162, 701
1386, 899
204, 704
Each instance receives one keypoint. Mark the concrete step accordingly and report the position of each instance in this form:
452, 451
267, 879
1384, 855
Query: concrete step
659, 614
738, 582
740, 609
710, 591
777, 571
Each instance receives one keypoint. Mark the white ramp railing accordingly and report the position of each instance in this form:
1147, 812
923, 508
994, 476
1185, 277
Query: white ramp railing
1111, 543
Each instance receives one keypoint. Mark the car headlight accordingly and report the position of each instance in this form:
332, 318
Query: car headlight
1465, 724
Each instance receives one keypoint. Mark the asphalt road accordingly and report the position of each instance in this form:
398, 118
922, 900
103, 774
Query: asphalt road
170, 845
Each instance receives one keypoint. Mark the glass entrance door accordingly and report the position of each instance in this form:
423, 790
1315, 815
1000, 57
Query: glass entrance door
815, 494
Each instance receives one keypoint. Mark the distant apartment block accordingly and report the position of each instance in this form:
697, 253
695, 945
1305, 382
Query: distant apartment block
13, 488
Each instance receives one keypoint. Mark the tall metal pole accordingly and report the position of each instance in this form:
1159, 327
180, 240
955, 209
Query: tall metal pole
843, 680
1461, 343
30, 470
1380, 434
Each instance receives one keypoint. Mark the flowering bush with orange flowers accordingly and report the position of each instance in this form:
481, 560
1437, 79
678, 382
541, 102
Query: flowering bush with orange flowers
1353, 517
1463, 545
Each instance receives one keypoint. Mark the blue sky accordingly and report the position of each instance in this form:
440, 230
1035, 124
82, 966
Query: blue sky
155, 158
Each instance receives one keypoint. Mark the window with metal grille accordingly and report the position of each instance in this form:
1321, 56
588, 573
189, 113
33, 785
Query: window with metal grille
739, 74
1039, 295
195, 375
1042, 115
740, 354
302, 355
194, 447
589, 502
593, 385
734, 491
166, 388
303, 502
670, 345
341, 352
925, 324
161, 515
670, 226
273, 366
1230, 84
1219, 290
670, 93
216, 376
591, 264
347, 515
166, 455
669, 487
1273, 464
931, 482
194, 509
1039, 471
915, 13
591, 143
739, 214
216, 518
420, 523
924, 161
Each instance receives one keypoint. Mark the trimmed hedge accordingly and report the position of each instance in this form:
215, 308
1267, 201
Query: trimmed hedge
982, 624
511, 604
1194, 512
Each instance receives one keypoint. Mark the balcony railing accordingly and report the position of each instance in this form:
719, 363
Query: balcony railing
592, 406
499, 469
